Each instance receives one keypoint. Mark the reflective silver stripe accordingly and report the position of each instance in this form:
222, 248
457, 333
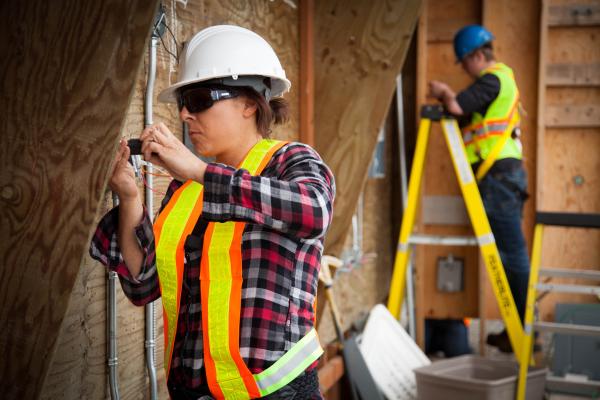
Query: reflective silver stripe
465, 174
501, 127
486, 239
528, 329
286, 369
403, 247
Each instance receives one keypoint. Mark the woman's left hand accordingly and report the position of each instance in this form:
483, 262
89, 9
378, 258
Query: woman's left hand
162, 148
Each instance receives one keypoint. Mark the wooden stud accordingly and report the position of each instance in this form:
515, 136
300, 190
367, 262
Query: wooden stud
568, 13
541, 107
573, 116
421, 89
569, 74
307, 76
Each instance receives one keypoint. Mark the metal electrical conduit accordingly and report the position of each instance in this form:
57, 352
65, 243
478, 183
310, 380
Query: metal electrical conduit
149, 311
150, 343
112, 328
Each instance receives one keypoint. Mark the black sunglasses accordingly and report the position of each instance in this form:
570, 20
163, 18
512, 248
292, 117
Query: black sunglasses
200, 98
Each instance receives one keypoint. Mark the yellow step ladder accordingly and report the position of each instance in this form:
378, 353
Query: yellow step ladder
572, 220
484, 237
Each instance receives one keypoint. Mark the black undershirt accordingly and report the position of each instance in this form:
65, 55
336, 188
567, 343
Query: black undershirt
478, 97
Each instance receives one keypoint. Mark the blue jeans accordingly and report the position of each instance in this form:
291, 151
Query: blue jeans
503, 194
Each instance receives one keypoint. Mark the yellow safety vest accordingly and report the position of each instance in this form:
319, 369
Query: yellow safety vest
221, 287
495, 127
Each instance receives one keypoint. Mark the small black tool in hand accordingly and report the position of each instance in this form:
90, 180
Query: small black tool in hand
135, 146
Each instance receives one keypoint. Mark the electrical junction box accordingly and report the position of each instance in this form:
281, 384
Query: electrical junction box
450, 274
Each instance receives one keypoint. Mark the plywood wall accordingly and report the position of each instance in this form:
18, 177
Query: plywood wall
569, 124
68, 70
360, 48
79, 368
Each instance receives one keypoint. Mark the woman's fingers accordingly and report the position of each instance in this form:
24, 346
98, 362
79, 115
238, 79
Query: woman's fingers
118, 157
125, 153
147, 132
163, 130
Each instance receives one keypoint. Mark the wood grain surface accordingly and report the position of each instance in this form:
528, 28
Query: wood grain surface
359, 49
569, 140
68, 69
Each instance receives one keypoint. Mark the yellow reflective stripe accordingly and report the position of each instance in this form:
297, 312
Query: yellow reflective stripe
166, 258
495, 151
255, 156
221, 279
290, 365
456, 146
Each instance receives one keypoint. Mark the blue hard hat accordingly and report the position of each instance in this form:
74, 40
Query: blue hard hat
469, 39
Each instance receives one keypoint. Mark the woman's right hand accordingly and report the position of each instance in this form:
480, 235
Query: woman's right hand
122, 179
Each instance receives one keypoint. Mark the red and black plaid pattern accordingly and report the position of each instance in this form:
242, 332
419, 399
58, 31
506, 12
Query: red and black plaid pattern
288, 209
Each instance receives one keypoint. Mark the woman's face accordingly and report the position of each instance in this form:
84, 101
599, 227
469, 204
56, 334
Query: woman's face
220, 129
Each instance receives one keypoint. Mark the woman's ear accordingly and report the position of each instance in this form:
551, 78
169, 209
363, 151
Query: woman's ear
250, 107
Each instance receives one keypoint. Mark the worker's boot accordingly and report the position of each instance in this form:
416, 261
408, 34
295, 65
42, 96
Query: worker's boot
502, 342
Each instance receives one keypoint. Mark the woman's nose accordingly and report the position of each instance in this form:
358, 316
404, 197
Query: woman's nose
185, 115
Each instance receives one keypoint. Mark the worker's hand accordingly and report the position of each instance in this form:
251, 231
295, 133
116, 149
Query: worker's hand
437, 90
161, 147
122, 177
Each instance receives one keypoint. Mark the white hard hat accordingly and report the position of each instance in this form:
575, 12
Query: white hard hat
231, 52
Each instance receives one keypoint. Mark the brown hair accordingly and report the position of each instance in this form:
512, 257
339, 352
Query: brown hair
276, 111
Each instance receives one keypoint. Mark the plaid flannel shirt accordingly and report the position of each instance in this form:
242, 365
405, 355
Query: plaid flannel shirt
288, 209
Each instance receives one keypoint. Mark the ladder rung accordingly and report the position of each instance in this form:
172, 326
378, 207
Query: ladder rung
442, 240
571, 273
559, 383
568, 329
564, 288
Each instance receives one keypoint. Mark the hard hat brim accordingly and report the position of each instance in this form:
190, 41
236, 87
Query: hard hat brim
169, 95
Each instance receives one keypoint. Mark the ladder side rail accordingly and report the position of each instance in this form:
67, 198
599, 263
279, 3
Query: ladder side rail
483, 232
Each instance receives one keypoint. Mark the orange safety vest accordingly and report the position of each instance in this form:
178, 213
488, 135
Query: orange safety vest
221, 287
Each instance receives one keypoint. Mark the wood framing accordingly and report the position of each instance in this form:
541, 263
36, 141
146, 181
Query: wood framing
307, 72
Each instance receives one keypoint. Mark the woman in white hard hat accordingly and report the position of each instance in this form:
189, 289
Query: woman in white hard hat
234, 252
